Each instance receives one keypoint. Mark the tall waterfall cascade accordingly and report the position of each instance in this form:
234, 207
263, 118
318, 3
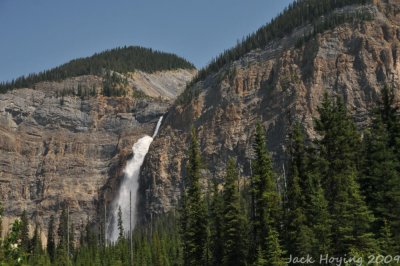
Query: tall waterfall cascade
130, 185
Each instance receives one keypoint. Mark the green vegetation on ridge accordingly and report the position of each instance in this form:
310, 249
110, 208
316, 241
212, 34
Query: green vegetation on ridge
298, 13
122, 60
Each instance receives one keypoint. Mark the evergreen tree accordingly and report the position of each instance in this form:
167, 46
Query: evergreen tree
91, 237
393, 197
208, 252
300, 237
216, 224
339, 150
1, 220
82, 236
234, 248
120, 225
267, 201
274, 252
389, 112
62, 230
36, 242
260, 258
1, 232
196, 224
72, 239
51, 245
313, 197
380, 172
339, 146
38, 257
319, 222
183, 222
25, 241
386, 177
387, 243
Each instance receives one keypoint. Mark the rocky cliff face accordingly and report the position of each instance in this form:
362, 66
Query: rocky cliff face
165, 84
276, 85
71, 150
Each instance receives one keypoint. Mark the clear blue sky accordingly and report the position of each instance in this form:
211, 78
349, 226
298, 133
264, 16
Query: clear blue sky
39, 34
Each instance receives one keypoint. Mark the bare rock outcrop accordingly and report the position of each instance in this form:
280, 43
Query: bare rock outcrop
57, 150
276, 85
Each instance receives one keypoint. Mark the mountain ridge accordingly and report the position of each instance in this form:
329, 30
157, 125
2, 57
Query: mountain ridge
351, 60
122, 59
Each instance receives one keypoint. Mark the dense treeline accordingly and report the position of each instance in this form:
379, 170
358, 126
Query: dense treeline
154, 244
298, 13
122, 60
340, 199
113, 85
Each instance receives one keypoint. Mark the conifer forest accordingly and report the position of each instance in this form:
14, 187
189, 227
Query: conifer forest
335, 202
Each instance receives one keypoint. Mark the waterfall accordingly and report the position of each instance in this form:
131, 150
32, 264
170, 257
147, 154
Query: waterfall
157, 127
130, 183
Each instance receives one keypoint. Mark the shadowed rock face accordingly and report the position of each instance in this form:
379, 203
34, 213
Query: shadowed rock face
276, 85
56, 150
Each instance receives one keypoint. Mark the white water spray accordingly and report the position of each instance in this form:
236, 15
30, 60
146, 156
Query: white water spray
130, 183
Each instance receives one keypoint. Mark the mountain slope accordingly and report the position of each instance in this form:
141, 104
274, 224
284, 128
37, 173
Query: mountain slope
277, 84
67, 141
122, 60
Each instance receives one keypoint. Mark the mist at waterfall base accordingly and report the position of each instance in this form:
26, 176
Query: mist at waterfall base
130, 183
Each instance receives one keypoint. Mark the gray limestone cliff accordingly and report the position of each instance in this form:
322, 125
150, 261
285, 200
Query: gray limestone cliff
70, 149
277, 85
